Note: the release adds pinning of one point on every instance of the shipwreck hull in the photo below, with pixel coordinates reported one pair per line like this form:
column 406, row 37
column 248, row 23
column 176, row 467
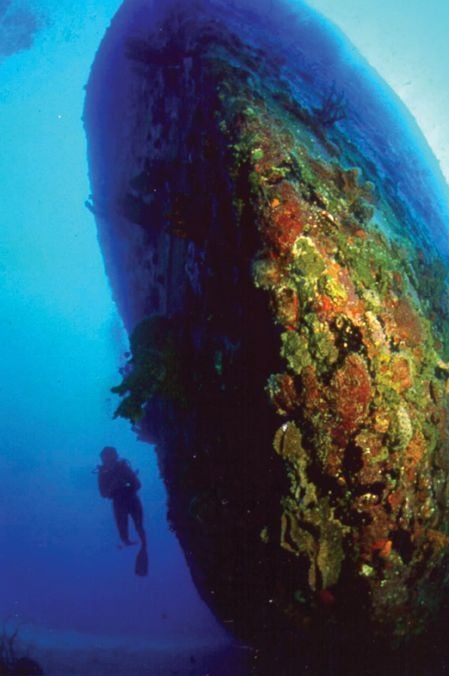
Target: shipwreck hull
column 288, row 313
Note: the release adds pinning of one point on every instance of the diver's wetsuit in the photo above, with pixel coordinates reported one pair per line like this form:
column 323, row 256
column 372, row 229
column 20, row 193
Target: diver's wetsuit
column 126, row 503
column 119, row 483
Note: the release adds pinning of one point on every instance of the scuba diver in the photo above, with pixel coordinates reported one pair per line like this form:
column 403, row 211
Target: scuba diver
column 118, row 482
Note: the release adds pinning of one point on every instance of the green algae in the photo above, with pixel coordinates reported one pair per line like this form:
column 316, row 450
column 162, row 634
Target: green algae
column 308, row 262
column 295, row 350
column 321, row 342
column 308, row 526
column 154, row 369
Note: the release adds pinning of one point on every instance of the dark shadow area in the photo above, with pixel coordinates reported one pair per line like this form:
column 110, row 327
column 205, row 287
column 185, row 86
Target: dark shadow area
column 12, row 660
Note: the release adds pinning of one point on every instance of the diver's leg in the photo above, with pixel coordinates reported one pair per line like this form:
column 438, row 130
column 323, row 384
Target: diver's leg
column 121, row 519
column 136, row 512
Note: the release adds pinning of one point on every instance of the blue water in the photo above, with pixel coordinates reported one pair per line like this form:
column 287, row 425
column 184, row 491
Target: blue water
column 79, row 606
column 63, row 579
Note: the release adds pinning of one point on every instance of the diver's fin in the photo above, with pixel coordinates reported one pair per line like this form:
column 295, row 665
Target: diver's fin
column 141, row 565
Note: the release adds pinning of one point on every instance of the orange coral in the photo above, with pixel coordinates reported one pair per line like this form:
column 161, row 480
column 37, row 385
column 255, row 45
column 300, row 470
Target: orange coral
column 283, row 392
column 383, row 546
column 285, row 223
column 323, row 304
column 402, row 377
column 395, row 500
column 351, row 393
column 414, row 454
column 408, row 326
column 312, row 390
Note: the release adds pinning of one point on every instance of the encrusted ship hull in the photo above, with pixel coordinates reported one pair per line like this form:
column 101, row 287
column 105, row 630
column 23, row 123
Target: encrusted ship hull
column 288, row 315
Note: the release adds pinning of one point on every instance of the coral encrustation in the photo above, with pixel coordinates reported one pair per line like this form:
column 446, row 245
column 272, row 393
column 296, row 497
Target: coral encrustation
column 266, row 251
column 364, row 394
